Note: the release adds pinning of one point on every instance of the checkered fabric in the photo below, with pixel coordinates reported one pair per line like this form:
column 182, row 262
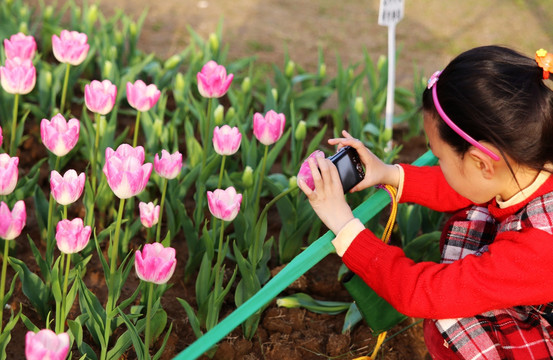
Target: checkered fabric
column 515, row 333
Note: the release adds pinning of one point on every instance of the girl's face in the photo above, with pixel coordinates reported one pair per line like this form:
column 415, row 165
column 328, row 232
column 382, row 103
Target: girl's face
column 462, row 173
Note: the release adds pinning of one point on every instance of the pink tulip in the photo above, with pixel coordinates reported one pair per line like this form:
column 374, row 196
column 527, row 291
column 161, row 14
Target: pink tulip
column 18, row 76
column 149, row 214
column 270, row 128
column 45, row 344
column 142, row 97
column 226, row 140
column 155, row 263
column 67, row 189
column 8, row 173
column 100, row 97
column 213, row 81
column 59, row 136
column 224, row 204
column 12, row 222
column 70, row 47
column 125, row 170
column 305, row 171
column 21, row 46
column 169, row 166
column 72, row 236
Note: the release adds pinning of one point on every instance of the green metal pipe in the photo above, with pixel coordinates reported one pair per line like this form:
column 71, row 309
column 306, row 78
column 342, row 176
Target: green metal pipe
column 297, row 267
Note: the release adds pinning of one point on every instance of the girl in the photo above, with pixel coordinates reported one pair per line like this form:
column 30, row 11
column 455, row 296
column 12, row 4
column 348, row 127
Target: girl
column 488, row 117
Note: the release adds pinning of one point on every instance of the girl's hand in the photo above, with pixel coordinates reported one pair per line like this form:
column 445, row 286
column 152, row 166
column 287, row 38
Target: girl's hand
column 327, row 199
column 376, row 171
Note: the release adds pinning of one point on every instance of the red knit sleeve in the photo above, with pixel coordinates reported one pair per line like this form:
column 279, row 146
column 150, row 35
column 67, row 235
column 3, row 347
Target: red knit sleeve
column 426, row 185
column 516, row 270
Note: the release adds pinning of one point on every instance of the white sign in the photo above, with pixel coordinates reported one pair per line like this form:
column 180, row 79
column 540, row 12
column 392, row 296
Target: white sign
column 390, row 12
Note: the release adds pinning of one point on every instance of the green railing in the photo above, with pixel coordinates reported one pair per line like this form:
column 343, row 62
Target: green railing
column 297, row 267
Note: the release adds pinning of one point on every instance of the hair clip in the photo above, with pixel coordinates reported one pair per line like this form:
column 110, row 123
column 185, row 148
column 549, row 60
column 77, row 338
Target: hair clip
column 545, row 61
column 433, row 79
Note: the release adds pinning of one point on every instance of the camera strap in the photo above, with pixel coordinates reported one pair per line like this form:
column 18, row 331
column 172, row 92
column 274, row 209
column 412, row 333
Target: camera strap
column 377, row 312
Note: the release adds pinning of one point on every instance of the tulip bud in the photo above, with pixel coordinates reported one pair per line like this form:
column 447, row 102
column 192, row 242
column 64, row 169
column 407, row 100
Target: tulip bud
column 108, row 68
column 179, row 82
column 322, row 70
column 23, row 28
column 92, row 14
column 119, row 38
column 288, row 302
column 290, row 67
column 112, row 52
column 231, row 113
column 47, row 76
column 247, row 177
column 293, row 182
column 213, row 42
column 381, row 62
column 133, row 29
column 78, row 12
column 23, row 11
column 275, row 94
column 246, row 84
column 219, row 114
column 158, row 127
column 172, row 62
column 351, row 74
column 301, row 131
column 48, row 12
column 359, row 105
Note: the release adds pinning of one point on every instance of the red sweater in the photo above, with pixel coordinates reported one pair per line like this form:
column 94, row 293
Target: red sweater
column 517, row 269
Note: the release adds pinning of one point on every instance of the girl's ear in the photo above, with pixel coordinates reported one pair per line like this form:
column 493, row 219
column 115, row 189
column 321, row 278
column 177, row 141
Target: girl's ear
column 483, row 162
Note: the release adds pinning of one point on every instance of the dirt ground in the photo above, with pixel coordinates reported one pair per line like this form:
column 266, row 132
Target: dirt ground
column 431, row 33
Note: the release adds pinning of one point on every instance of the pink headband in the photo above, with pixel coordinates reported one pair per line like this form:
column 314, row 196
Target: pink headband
column 432, row 83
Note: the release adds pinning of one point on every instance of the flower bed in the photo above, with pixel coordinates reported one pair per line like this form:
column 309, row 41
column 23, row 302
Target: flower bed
column 160, row 195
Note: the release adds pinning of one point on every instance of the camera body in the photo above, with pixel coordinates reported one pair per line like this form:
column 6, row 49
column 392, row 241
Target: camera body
column 349, row 167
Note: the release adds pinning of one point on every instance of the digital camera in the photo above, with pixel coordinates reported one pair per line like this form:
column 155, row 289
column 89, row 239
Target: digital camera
column 349, row 167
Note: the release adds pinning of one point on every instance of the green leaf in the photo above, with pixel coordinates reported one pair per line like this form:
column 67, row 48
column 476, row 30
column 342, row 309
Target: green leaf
column 317, row 306
column 165, row 339
column 33, row 287
column 134, row 335
column 424, row 248
column 192, row 318
column 76, row 328
column 353, row 317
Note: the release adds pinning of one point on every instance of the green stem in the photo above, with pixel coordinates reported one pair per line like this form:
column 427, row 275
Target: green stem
column 261, row 176
column 256, row 243
column 13, row 147
column 64, row 294
column 64, row 91
column 213, row 313
column 114, row 250
column 94, row 155
column 136, row 127
column 161, row 206
column 221, row 172
column 148, row 310
column 206, row 131
column 50, row 224
column 3, row 280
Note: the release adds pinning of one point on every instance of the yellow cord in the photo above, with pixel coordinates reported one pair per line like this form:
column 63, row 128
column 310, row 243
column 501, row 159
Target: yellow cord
column 385, row 237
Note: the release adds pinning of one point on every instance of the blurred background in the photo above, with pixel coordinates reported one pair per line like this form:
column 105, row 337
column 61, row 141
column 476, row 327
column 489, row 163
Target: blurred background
column 431, row 33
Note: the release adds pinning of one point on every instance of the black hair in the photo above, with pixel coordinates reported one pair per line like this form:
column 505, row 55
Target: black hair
column 496, row 95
